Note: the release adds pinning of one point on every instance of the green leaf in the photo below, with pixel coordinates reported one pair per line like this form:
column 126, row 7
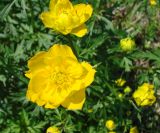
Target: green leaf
column 3, row 79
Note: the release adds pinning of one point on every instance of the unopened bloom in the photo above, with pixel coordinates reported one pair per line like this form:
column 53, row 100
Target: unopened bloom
column 67, row 18
column 120, row 82
column 153, row 2
column 127, row 90
column 53, row 130
column 144, row 95
column 110, row 125
column 133, row 130
column 57, row 78
column 127, row 44
column 120, row 95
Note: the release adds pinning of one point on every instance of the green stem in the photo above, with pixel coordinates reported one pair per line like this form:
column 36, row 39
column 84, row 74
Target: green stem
column 39, row 2
column 32, row 14
column 72, row 46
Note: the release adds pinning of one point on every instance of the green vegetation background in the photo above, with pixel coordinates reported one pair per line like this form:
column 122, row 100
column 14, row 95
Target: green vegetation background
column 22, row 34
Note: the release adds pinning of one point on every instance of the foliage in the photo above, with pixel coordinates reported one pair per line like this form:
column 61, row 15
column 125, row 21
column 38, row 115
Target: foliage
column 23, row 34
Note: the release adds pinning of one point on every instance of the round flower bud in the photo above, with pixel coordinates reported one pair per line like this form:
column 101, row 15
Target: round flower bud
column 110, row 125
column 153, row 2
column 127, row 90
column 133, row 130
column 127, row 44
column 53, row 129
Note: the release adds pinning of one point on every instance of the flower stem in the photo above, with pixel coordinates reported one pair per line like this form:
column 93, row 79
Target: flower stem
column 72, row 46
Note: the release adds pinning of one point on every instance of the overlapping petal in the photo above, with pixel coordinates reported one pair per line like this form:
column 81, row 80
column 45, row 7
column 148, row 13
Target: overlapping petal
column 80, row 31
column 36, row 64
column 75, row 101
column 84, row 12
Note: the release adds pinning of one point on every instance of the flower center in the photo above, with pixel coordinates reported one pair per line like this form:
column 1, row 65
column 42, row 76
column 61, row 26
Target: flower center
column 61, row 79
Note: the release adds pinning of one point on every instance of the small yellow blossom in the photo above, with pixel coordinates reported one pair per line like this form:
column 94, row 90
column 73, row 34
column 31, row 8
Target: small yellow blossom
column 120, row 95
column 127, row 44
column 67, row 18
column 112, row 132
column 127, row 90
column 57, row 78
column 144, row 95
column 153, row 2
column 110, row 125
column 53, row 130
column 133, row 130
column 120, row 82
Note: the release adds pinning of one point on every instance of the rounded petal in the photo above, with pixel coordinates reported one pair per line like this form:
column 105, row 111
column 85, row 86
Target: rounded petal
column 48, row 19
column 89, row 74
column 52, row 4
column 61, row 51
column 80, row 31
column 74, row 69
column 51, row 96
column 50, row 106
column 37, row 84
column 75, row 101
column 36, row 64
column 63, row 5
column 84, row 11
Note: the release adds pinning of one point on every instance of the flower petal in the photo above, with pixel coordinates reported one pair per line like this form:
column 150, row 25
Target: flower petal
column 75, row 101
column 36, row 64
column 80, row 31
column 52, row 4
column 48, row 19
column 63, row 5
column 61, row 51
column 84, row 11
column 38, row 81
column 50, row 106
column 90, row 74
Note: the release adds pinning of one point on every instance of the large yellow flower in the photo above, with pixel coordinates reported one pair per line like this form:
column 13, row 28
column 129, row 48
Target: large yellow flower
column 67, row 18
column 57, row 78
column 144, row 95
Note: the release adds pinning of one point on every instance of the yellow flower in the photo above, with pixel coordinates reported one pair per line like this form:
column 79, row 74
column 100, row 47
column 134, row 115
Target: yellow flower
column 144, row 95
column 67, row 18
column 112, row 132
column 120, row 82
column 153, row 2
column 53, row 130
column 120, row 95
column 110, row 125
column 57, row 78
column 127, row 90
column 133, row 130
column 127, row 44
